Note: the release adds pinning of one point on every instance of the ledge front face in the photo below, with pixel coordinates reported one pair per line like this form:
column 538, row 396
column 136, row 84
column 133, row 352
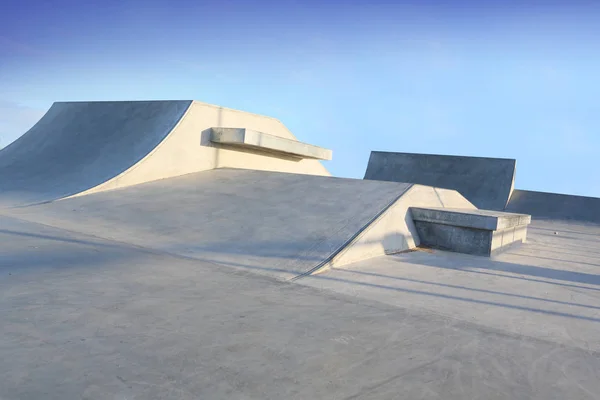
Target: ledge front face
column 246, row 138
column 477, row 232
column 477, row 219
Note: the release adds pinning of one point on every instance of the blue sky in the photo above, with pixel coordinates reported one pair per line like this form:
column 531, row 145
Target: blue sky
column 499, row 79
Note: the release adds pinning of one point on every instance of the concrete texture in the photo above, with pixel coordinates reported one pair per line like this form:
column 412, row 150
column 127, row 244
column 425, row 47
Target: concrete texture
column 85, row 318
column 278, row 224
column 77, row 146
column 477, row 232
column 80, row 148
column 469, row 240
column 247, row 138
column 552, row 206
column 478, row 219
column 173, row 289
column 281, row 225
column 393, row 231
column 485, row 182
column 548, row 288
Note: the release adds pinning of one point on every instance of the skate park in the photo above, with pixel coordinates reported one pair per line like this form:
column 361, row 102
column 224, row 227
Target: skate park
column 177, row 249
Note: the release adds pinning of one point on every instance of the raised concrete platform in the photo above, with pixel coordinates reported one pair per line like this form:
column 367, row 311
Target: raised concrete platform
column 485, row 182
column 477, row 232
column 246, row 138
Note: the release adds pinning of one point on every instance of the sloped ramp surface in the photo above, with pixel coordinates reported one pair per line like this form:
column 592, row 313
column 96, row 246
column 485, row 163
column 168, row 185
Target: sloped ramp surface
column 485, row 182
column 78, row 145
column 553, row 206
column 278, row 224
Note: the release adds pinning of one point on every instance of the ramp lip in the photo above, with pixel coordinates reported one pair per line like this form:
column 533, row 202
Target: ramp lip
column 557, row 194
column 445, row 155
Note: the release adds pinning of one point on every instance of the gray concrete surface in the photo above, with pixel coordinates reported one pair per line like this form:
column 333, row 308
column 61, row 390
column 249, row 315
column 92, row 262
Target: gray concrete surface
column 477, row 232
column 473, row 241
column 552, row 206
column 247, row 138
column 85, row 318
column 84, row 147
column 486, row 182
column 76, row 146
column 278, row 224
column 478, row 219
column 548, row 288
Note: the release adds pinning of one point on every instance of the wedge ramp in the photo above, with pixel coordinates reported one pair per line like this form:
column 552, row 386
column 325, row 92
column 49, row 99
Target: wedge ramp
column 279, row 224
column 486, row 182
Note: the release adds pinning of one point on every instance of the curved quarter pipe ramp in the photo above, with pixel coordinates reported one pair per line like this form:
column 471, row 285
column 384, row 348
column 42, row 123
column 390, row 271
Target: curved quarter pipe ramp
column 82, row 147
column 77, row 146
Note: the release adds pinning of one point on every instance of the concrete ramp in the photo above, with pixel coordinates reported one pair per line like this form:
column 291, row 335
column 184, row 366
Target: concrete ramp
column 553, row 206
column 486, row 182
column 282, row 225
column 84, row 147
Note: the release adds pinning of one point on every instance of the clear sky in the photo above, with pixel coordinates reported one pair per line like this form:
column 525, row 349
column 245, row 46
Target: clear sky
column 513, row 79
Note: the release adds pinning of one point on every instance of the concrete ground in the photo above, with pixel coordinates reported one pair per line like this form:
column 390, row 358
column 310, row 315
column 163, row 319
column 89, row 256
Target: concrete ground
column 84, row 317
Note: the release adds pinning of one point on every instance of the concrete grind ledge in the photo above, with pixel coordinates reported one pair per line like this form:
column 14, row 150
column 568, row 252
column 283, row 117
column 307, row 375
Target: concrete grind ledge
column 477, row 232
column 241, row 137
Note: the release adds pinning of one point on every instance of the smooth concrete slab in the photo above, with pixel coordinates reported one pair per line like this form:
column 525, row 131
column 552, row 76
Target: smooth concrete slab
column 553, row 206
column 485, row 182
column 468, row 218
column 548, row 288
column 246, row 138
column 282, row 225
column 85, row 318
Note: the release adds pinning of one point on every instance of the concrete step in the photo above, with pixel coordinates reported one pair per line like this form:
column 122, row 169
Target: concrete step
column 477, row 232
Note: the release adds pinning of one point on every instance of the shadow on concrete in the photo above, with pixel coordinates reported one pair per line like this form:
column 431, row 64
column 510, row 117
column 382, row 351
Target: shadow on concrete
column 458, row 298
column 460, row 287
column 64, row 239
column 485, row 265
column 554, row 259
column 575, row 238
column 553, row 249
column 561, row 229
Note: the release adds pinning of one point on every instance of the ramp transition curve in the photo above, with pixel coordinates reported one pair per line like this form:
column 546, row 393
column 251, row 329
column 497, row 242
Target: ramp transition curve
column 82, row 147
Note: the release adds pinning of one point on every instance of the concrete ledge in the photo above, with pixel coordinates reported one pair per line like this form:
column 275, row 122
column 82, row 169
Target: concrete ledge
column 477, row 232
column 478, row 219
column 247, row 138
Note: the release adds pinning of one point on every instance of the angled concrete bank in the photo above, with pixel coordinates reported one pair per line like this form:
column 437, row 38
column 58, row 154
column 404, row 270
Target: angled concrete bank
column 477, row 232
column 485, row 182
column 278, row 224
column 85, row 147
